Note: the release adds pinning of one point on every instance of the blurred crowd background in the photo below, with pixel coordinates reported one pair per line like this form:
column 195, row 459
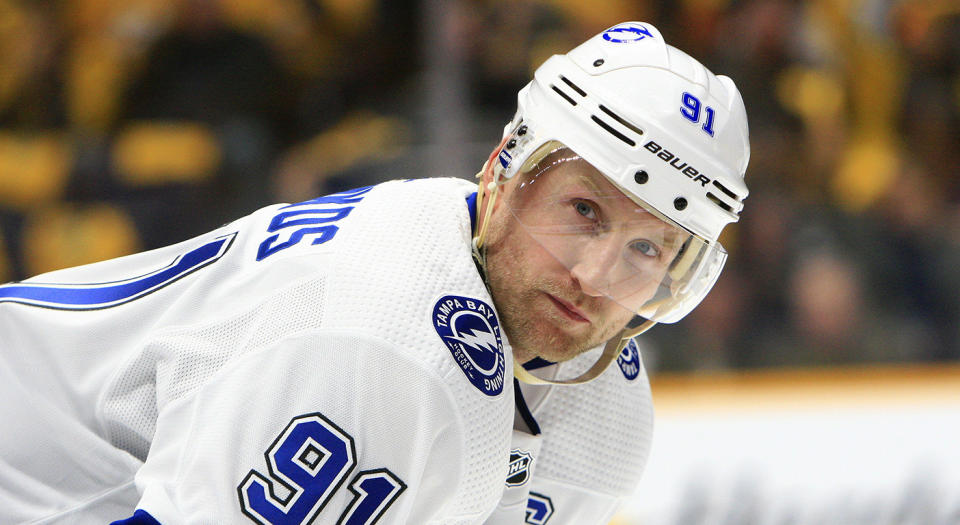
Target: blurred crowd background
column 131, row 124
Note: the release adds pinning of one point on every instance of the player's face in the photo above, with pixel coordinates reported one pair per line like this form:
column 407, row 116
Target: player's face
column 570, row 259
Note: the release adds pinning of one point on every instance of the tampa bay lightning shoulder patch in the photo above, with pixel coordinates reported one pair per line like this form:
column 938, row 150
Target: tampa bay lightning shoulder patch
column 470, row 329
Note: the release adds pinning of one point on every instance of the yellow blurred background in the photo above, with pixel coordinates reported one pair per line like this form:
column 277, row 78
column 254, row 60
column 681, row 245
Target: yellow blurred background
column 129, row 125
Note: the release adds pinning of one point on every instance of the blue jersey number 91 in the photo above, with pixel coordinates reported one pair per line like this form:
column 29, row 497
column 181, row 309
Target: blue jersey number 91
column 306, row 465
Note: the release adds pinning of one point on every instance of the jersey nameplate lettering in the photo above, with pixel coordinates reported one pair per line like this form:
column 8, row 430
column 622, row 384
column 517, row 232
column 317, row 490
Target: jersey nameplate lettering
column 314, row 218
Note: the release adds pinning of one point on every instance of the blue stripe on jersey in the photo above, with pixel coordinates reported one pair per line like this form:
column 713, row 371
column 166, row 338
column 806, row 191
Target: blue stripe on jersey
column 520, row 403
column 140, row 517
column 105, row 295
column 472, row 208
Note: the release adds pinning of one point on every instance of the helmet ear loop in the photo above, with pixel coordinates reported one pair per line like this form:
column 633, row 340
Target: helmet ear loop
column 498, row 176
column 483, row 214
column 517, row 138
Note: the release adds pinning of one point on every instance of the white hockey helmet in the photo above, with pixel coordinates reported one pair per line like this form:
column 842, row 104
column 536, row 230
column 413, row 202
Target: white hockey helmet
column 667, row 132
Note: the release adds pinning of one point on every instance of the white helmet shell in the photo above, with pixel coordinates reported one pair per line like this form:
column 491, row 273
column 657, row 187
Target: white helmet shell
column 663, row 128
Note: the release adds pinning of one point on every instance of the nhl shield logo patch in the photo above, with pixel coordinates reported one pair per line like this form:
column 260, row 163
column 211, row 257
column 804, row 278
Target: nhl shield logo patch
column 629, row 360
column 519, row 471
column 471, row 331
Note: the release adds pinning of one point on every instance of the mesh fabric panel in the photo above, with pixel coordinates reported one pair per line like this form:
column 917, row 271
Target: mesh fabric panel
column 598, row 434
column 181, row 360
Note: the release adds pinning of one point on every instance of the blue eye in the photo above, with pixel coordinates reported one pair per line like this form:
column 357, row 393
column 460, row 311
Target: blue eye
column 645, row 248
column 584, row 208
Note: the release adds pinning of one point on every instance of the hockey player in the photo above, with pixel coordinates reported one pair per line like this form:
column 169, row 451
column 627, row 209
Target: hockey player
column 353, row 359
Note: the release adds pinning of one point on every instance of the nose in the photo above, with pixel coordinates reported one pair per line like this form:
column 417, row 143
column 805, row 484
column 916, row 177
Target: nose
column 585, row 284
column 593, row 268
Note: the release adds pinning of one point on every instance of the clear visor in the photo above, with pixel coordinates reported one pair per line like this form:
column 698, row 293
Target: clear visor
column 612, row 245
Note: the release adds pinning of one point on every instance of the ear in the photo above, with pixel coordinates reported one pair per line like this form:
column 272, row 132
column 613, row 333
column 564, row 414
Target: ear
column 487, row 173
column 486, row 178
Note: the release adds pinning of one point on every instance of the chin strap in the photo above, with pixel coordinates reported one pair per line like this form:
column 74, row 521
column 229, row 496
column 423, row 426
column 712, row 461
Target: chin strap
column 482, row 220
column 611, row 351
column 483, row 215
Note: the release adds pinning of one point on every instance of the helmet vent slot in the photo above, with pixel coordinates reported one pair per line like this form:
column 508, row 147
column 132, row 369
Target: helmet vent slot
column 724, row 189
column 716, row 200
column 621, row 120
column 564, row 95
column 576, row 88
column 610, row 129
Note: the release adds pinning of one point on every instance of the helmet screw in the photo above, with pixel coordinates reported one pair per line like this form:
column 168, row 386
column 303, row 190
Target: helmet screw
column 680, row 203
column 511, row 143
column 598, row 62
column 641, row 177
column 522, row 130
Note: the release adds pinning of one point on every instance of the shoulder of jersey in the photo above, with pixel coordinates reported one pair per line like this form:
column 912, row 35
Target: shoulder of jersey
column 406, row 275
column 404, row 272
column 396, row 264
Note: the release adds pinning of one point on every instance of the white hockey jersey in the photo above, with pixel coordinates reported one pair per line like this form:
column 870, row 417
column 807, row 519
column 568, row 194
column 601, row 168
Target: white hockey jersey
column 332, row 361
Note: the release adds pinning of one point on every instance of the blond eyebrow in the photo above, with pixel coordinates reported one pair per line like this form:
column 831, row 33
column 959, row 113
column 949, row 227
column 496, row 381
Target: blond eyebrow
column 591, row 184
column 672, row 239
